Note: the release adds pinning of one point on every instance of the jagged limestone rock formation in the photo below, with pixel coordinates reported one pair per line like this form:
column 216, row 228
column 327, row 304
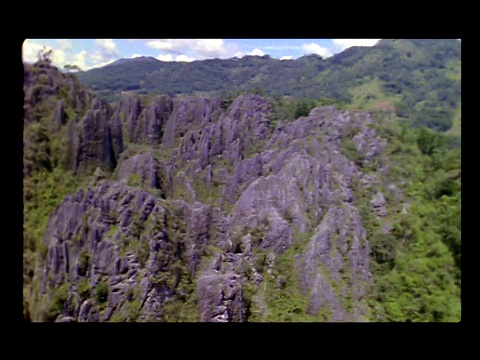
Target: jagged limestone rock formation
column 202, row 202
column 144, row 123
column 91, row 143
column 143, row 165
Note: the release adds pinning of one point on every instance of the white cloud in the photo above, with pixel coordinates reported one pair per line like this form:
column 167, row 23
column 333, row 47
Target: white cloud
column 239, row 54
column 59, row 58
column 107, row 45
column 196, row 49
column 286, row 57
column 79, row 60
column 64, row 44
column 106, row 53
column 167, row 57
column 165, row 45
column 30, row 51
column 282, row 47
column 211, row 48
column 136, row 56
column 103, row 63
column 63, row 53
column 342, row 44
column 97, row 57
column 256, row 52
column 184, row 58
column 313, row 48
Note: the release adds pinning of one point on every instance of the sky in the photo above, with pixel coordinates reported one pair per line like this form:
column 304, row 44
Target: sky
column 90, row 53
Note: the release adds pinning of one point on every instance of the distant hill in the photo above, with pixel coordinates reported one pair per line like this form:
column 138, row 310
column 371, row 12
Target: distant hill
column 418, row 79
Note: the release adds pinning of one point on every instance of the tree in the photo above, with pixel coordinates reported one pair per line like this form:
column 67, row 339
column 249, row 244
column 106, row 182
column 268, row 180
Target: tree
column 303, row 107
column 45, row 55
column 401, row 109
column 71, row 68
column 429, row 140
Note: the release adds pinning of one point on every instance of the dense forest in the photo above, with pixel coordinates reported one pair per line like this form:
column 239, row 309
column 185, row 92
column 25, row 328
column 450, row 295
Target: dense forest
column 419, row 79
column 245, row 204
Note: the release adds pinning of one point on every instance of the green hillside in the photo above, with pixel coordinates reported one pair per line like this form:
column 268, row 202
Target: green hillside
column 245, row 207
column 419, row 79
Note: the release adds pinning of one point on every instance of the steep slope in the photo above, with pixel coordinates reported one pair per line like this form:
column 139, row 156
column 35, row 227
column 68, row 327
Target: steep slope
column 198, row 211
column 67, row 134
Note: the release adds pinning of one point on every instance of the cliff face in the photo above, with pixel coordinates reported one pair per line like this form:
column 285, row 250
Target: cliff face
column 201, row 202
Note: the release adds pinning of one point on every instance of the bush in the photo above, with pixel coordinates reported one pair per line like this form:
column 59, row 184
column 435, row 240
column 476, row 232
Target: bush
column 83, row 262
column 58, row 301
column 428, row 141
column 401, row 109
column 83, row 289
column 303, row 107
column 260, row 262
column 101, row 292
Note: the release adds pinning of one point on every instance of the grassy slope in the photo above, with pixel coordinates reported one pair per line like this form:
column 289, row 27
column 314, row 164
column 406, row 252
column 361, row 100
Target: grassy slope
column 369, row 96
column 454, row 73
column 456, row 129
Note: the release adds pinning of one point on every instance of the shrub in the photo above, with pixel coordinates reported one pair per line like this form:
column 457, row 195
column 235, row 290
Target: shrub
column 401, row 109
column 83, row 262
column 83, row 289
column 58, row 301
column 101, row 292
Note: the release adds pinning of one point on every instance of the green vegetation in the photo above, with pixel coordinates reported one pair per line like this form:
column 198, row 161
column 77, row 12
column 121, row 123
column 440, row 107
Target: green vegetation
column 181, row 307
column 83, row 289
column 47, row 179
column 415, row 263
column 84, row 262
column 130, row 309
column 420, row 79
column 134, row 180
column 457, row 122
column 59, row 298
column 101, row 292
column 416, row 266
column 282, row 299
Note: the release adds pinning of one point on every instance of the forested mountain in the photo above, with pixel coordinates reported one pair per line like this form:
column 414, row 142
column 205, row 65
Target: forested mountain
column 239, row 206
column 419, row 79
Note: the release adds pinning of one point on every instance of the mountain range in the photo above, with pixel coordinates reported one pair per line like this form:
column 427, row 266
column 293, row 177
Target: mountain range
column 418, row 79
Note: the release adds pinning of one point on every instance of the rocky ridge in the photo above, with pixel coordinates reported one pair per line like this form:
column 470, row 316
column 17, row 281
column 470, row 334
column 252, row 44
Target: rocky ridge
column 199, row 192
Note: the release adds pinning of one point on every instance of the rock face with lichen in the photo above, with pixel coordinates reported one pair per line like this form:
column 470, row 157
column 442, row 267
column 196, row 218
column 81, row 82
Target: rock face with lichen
column 199, row 202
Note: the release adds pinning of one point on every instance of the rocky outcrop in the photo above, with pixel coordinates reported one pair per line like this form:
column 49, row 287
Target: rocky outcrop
column 335, row 266
column 244, row 174
column 143, row 165
column 123, row 239
column 56, row 101
column 205, row 200
column 116, row 132
column 59, row 116
column 378, row 203
column 188, row 112
column 210, row 133
column 220, row 296
column 45, row 84
column 144, row 124
column 90, row 141
column 95, row 239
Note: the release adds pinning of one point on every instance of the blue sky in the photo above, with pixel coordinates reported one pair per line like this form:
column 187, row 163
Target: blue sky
column 90, row 53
